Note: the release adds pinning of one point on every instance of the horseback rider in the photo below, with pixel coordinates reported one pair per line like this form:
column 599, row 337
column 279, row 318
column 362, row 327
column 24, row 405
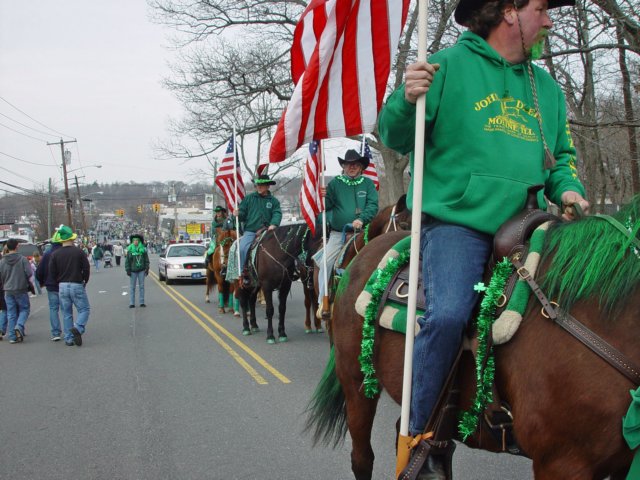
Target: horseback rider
column 220, row 220
column 351, row 201
column 486, row 106
column 258, row 210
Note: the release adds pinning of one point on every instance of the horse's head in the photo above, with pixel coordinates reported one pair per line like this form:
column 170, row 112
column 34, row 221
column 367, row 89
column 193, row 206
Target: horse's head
column 391, row 218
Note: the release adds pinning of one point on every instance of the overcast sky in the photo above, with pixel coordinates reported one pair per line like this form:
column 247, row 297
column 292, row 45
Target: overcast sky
column 89, row 70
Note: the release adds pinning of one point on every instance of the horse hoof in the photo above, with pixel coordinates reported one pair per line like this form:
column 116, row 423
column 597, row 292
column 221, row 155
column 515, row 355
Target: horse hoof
column 255, row 329
column 308, row 330
column 271, row 341
column 283, row 339
column 246, row 332
column 320, row 330
column 221, row 310
column 236, row 314
column 207, row 300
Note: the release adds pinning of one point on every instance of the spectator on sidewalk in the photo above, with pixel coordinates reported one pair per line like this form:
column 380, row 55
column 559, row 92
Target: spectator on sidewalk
column 69, row 267
column 136, row 263
column 15, row 274
column 44, row 277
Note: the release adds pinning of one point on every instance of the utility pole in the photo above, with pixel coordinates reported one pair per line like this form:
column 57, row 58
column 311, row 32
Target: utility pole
column 84, row 221
column 49, row 211
column 66, row 182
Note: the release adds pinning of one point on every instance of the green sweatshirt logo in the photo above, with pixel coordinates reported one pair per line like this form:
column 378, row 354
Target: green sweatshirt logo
column 513, row 119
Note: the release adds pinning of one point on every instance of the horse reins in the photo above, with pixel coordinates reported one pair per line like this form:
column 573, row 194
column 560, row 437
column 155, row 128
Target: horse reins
column 581, row 332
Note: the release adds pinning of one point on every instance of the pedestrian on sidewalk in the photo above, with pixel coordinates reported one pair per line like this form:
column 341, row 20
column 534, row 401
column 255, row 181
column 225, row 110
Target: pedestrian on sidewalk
column 118, row 251
column 44, row 277
column 136, row 263
column 70, row 268
column 15, row 274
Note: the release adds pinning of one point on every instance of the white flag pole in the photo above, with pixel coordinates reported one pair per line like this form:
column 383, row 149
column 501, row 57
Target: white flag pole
column 325, row 298
column 235, row 199
column 414, row 264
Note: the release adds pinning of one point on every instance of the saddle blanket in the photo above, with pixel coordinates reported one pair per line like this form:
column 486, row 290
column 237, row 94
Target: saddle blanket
column 394, row 314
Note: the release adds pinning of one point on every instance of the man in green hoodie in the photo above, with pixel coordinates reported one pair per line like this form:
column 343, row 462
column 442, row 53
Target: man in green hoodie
column 495, row 125
column 257, row 210
column 350, row 201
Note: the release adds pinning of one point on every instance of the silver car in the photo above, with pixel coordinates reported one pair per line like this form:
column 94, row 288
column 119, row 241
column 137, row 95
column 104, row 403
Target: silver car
column 182, row 261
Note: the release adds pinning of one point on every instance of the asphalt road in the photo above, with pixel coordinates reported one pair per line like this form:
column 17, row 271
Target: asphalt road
column 174, row 391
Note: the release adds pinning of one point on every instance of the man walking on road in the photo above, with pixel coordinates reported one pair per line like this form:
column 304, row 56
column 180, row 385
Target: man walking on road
column 118, row 251
column 15, row 273
column 70, row 268
column 44, row 277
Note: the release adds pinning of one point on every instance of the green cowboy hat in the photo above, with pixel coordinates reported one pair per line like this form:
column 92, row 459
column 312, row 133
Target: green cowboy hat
column 353, row 156
column 466, row 8
column 63, row 234
column 220, row 208
column 263, row 180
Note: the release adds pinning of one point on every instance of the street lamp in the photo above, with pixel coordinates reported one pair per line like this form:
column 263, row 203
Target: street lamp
column 82, row 168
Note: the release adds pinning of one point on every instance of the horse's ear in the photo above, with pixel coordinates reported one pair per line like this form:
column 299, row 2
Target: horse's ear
column 401, row 204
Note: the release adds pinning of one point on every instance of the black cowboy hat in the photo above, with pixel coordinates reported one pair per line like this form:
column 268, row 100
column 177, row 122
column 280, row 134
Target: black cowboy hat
column 353, row 156
column 263, row 180
column 220, row 208
column 466, row 8
column 138, row 236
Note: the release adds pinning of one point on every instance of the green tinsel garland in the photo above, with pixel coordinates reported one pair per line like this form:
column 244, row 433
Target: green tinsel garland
column 484, row 378
column 366, row 233
column 351, row 181
column 383, row 277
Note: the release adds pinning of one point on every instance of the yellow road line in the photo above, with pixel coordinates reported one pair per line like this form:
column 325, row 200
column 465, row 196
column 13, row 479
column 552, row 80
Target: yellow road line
column 243, row 363
column 266, row 365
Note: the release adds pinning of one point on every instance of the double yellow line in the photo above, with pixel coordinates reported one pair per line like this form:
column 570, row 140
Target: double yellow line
column 189, row 309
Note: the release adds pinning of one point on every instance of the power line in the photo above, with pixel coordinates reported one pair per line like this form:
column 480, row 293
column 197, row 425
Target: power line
column 39, row 123
column 27, row 126
column 18, row 175
column 22, row 133
column 27, row 161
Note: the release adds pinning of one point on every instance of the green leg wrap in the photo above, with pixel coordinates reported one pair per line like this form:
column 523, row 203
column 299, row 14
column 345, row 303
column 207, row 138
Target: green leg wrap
column 220, row 300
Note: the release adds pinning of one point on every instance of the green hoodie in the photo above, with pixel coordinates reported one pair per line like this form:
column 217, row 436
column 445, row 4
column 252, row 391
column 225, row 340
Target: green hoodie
column 483, row 146
column 348, row 200
column 257, row 211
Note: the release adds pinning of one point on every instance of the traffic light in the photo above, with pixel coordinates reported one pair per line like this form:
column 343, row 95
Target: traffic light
column 156, row 207
column 120, row 212
column 139, row 208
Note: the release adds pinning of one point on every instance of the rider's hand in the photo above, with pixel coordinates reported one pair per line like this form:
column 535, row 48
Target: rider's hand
column 417, row 79
column 568, row 199
column 272, row 227
column 323, row 191
column 357, row 224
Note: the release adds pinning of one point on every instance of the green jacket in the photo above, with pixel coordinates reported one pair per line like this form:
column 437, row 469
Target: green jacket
column 483, row 145
column 136, row 260
column 631, row 432
column 257, row 211
column 348, row 200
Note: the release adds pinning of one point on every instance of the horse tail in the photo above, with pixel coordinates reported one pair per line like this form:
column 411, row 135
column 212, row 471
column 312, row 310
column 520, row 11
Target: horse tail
column 327, row 414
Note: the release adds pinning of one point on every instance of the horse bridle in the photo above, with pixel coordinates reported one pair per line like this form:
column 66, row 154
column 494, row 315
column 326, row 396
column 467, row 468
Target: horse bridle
column 553, row 311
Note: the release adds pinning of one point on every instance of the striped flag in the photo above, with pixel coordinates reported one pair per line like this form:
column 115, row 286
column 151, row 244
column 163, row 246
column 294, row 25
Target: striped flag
column 370, row 172
column 225, row 180
column 310, row 199
column 340, row 62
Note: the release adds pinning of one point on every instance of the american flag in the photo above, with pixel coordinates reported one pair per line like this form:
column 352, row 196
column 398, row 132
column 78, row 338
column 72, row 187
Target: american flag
column 310, row 199
column 340, row 62
column 225, row 180
column 370, row 172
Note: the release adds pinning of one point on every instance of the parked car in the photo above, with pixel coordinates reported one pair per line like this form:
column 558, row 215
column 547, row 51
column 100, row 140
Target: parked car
column 26, row 249
column 182, row 261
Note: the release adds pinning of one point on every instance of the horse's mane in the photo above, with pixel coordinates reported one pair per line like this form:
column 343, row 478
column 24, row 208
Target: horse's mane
column 592, row 258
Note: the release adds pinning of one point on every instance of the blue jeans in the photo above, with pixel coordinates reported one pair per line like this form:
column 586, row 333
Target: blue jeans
column 18, row 308
column 3, row 321
column 332, row 249
column 73, row 294
column 54, row 315
column 96, row 263
column 136, row 277
column 244, row 243
column 453, row 260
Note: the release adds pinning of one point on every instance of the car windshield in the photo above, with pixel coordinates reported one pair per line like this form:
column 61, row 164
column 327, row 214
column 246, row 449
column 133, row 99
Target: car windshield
column 186, row 251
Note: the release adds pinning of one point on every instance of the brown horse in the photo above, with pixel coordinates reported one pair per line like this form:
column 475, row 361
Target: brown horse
column 276, row 267
column 566, row 401
column 215, row 268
